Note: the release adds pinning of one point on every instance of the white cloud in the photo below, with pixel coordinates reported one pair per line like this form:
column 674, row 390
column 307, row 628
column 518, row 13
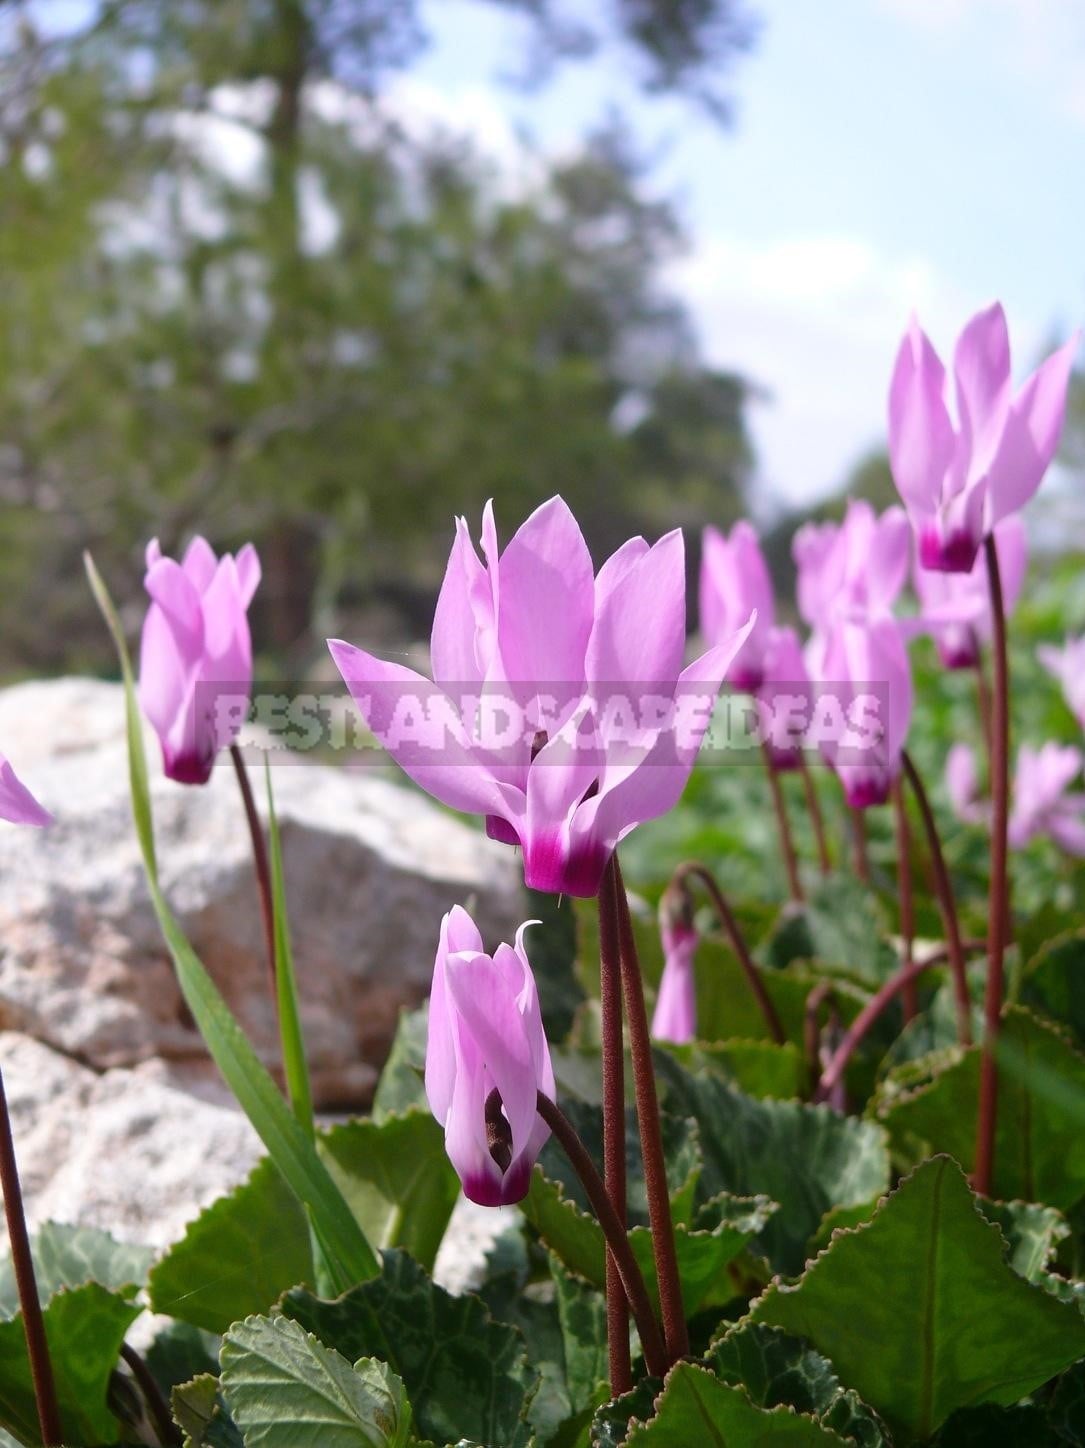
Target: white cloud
column 815, row 320
column 1041, row 42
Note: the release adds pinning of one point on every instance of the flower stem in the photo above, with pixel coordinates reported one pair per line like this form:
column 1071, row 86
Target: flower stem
column 859, row 856
column 856, row 1032
column 824, row 993
column 619, row 1250
column 904, row 886
column 817, row 819
column 943, row 888
column 613, row 1051
column 998, row 908
column 866, row 1018
column 783, row 825
column 263, row 870
column 37, row 1346
column 167, row 1430
column 675, row 1333
column 694, row 869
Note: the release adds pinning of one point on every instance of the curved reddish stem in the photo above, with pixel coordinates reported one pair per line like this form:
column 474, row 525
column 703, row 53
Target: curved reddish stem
column 783, row 825
column 261, row 866
column 22, row 1261
column 619, row 1250
column 613, row 1053
column 859, row 856
column 857, row 1031
column 817, row 819
column 691, row 868
column 944, row 890
column 675, row 1331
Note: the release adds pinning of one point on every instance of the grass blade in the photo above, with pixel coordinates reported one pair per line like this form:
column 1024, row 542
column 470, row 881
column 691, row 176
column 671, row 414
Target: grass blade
column 287, row 1143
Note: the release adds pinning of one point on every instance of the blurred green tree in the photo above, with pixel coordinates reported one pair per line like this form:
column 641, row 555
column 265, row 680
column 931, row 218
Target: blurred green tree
column 245, row 295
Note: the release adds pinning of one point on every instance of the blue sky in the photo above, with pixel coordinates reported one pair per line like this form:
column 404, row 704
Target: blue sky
column 888, row 154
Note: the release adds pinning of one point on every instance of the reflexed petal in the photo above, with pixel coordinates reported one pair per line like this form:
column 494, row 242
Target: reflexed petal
column 420, row 727
column 172, row 590
column 454, row 652
column 225, row 623
column 640, row 624
column 224, row 688
column 656, row 784
column 199, row 563
column 921, row 436
column 617, row 566
column 734, row 583
column 812, row 549
column 1031, row 434
column 547, row 599
column 249, row 574
column 887, row 563
column 981, row 368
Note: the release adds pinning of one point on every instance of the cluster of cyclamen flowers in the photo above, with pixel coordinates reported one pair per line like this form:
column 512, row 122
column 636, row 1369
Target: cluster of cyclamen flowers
column 520, row 619
column 961, row 486
column 538, row 626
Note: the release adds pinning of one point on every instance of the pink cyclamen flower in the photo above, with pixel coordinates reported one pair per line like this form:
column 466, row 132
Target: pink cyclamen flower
column 854, row 569
column 17, row 804
column 675, row 1015
column 785, row 699
column 195, row 667
column 559, row 707
column 486, row 1061
column 959, row 482
column 1042, row 800
column 867, row 670
column 956, row 607
column 1068, row 666
column 735, row 583
column 1043, row 803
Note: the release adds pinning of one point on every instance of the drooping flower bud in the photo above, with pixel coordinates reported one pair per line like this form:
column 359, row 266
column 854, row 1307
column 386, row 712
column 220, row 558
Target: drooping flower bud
column 675, row 1016
column 195, row 668
column 487, row 1059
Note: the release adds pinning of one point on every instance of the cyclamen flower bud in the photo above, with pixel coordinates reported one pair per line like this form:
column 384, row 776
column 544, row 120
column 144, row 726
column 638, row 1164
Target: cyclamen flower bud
column 486, row 1061
column 195, row 668
column 675, row 1017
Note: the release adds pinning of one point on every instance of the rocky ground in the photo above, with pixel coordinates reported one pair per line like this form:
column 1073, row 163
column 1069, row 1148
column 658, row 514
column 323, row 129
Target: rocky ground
column 120, row 1118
